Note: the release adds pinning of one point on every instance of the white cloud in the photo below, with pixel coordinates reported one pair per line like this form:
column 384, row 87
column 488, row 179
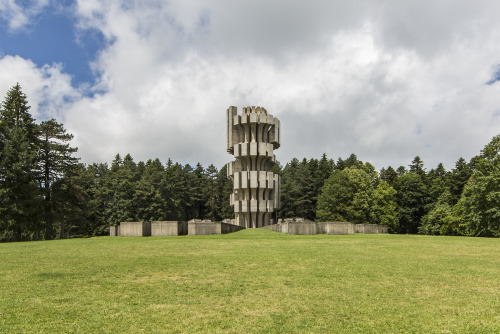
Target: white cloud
column 48, row 89
column 19, row 16
column 387, row 80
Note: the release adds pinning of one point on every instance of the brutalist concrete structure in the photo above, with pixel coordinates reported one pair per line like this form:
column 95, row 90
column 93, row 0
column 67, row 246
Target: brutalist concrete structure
column 168, row 228
column 114, row 230
column 135, row 229
column 198, row 227
column 370, row 228
column 304, row 226
column 164, row 228
column 252, row 138
column 337, row 228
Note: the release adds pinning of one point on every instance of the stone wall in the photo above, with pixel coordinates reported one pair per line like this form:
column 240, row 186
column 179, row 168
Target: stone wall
column 135, row 229
column 306, row 227
column 164, row 228
column 114, row 230
column 230, row 228
column 203, row 228
column 368, row 228
column 337, row 228
column 207, row 228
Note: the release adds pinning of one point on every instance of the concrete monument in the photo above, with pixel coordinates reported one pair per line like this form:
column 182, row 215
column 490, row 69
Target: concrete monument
column 252, row 138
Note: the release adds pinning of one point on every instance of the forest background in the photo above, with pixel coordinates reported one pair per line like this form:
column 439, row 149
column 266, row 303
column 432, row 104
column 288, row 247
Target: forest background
column 45, row 193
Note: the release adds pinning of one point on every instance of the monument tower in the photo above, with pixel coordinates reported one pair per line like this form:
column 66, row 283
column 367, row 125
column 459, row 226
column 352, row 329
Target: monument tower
column 252, row 138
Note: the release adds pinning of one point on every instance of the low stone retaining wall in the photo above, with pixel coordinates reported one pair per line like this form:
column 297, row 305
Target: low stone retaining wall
column 114, row 230
column 336, row 228
column 135, row 229
column 370, row 228
column 164, row 228
column 304, row 227
column 207, row 228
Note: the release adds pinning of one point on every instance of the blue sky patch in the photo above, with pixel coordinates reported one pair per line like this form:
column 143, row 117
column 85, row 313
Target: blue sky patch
column 52, row 38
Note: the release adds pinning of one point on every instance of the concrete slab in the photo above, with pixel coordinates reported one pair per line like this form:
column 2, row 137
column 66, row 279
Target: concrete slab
column 208, row 228
column 135, row 229
column 114, row 231
column 165, row 228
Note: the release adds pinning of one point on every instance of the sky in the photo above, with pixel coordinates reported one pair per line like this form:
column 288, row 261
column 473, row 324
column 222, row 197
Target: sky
column 385, row 79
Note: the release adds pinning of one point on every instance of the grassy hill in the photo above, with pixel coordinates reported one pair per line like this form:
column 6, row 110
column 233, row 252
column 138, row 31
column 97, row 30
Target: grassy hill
column 252, row 281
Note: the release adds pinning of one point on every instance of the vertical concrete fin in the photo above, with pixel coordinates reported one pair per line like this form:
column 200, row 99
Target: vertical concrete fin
column 230, row 113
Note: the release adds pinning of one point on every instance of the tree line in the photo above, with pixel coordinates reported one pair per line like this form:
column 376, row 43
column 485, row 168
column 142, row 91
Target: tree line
column 46, row 193
column 463, row 201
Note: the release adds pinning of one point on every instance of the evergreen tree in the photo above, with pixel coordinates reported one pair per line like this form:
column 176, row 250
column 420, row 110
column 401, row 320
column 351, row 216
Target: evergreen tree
column 151, row 192
column 176, row 196
column 389, row 175
column 123, row 178
column 411, row 200
column 325, row 168
column 417, row 167
column 20, row 200
column 289, row 190
column 198, row 197
column 352, row 161
column 70, row 203
column 54, row 160
column 401, row 170
column 211, row 194
column 458, row 179
column 100, row 194
column 305, row 198
column 224, row 189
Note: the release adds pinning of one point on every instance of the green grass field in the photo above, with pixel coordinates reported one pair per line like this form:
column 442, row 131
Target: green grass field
column 252, row 281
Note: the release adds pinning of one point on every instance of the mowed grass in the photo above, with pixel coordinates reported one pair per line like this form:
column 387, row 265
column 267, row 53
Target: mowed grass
column 252, row 281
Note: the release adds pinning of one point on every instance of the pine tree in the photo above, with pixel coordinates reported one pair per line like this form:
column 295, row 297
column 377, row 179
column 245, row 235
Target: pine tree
column 70, row 202
column 150, row 192
column 123, row 179
column 211, row 194
column 417, row 167
column 289, row 190
column 458, row 179
column 54, row 160
column 19, row 195
column 411, row 200
column 305, row 198
column 100, row 196
column 389, row 175
column 225, row 188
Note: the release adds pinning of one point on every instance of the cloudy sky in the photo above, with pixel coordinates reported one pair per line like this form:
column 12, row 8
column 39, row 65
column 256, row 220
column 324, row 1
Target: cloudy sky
column 386, row 80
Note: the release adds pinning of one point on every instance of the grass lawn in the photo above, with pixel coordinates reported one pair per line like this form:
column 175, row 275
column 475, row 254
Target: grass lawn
column 252, row 281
